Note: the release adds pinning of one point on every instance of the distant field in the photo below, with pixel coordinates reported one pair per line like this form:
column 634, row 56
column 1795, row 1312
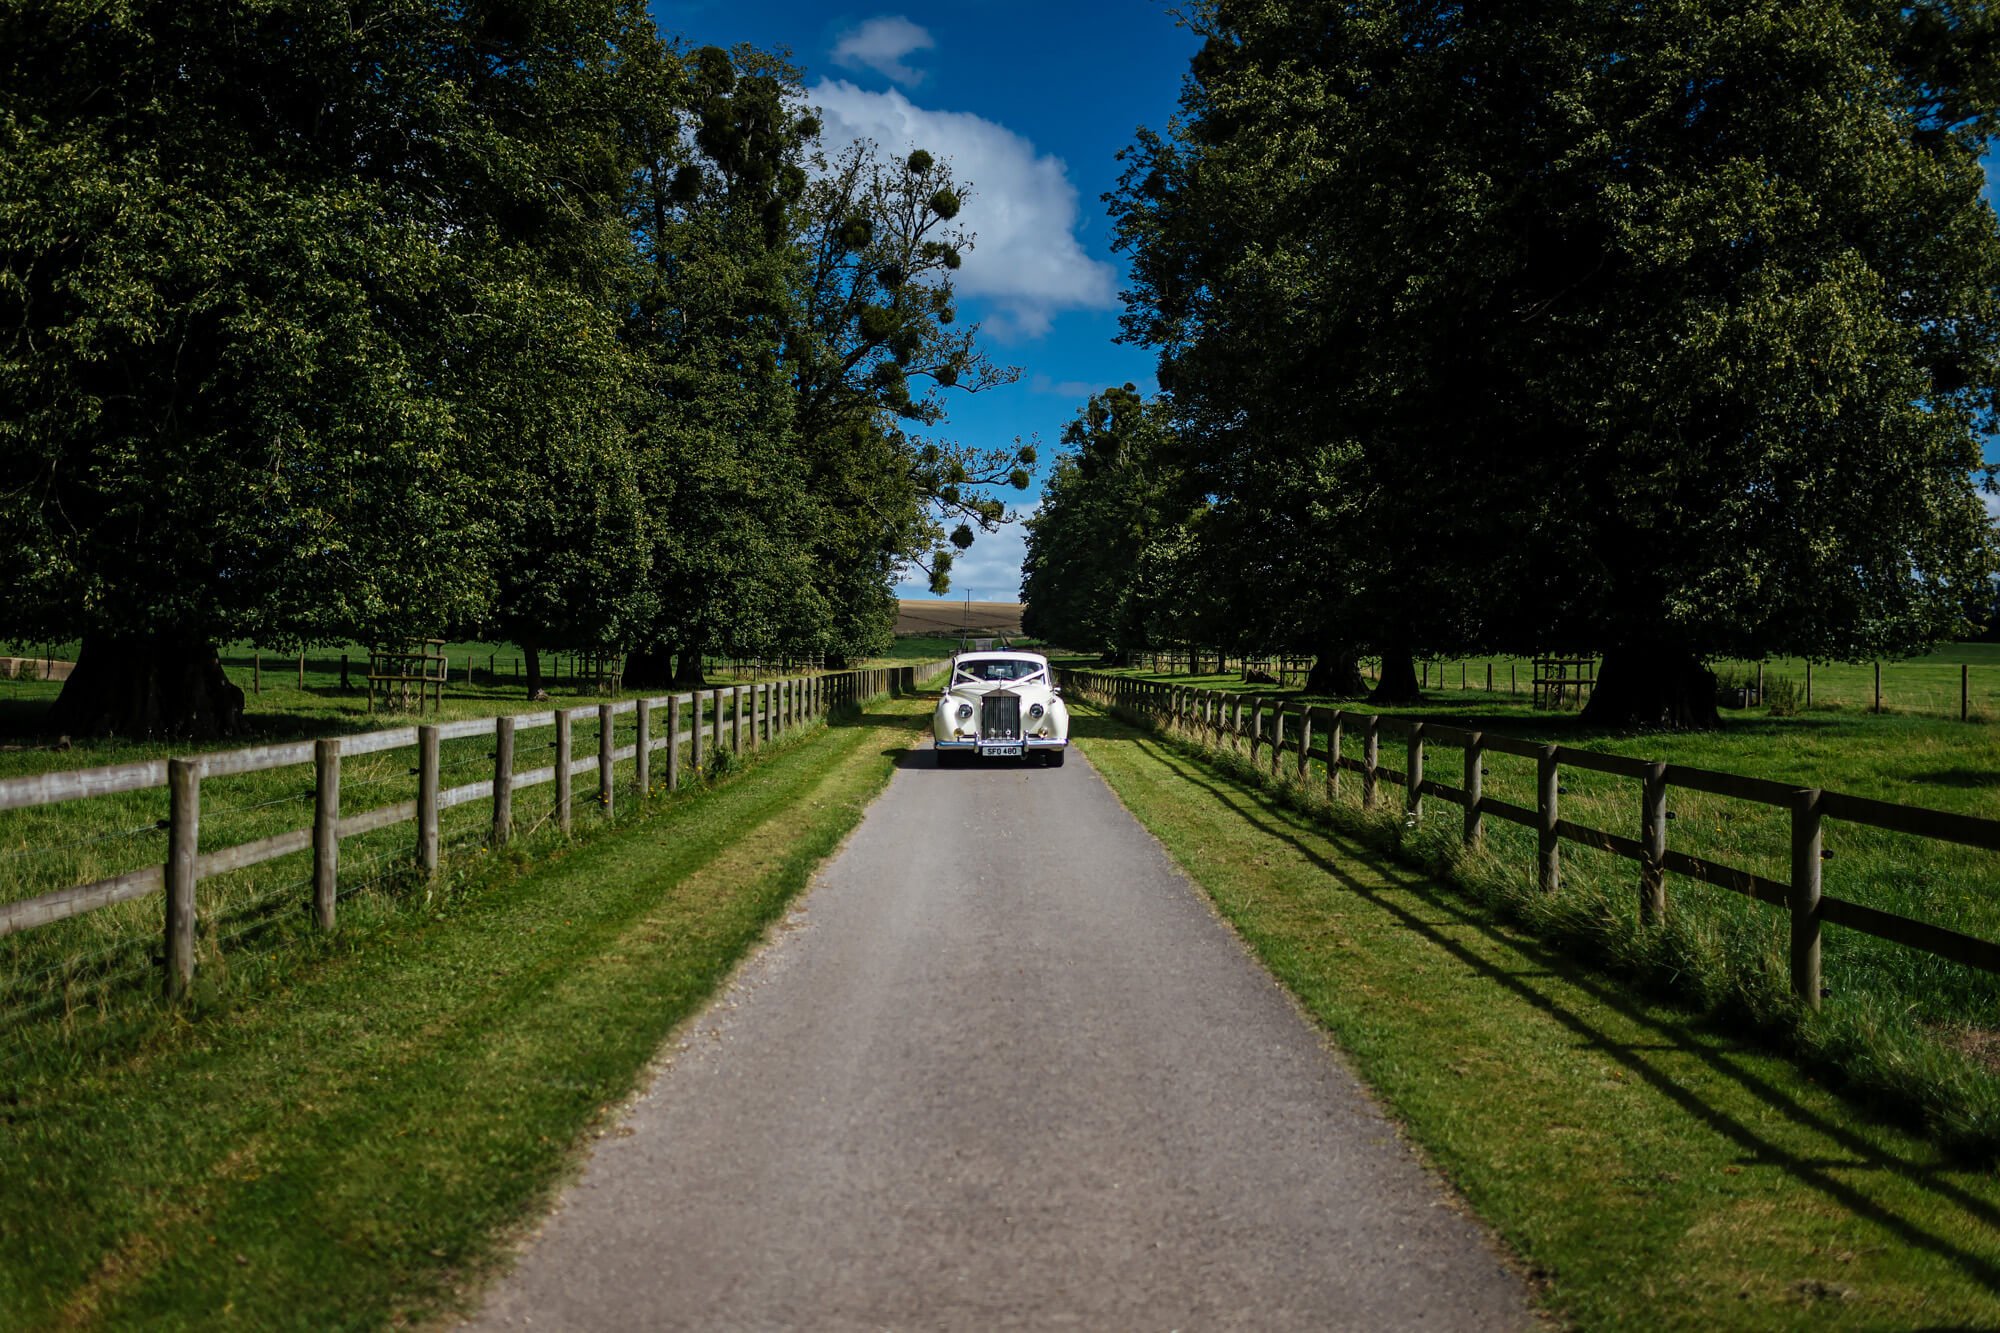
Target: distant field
column 943, row 617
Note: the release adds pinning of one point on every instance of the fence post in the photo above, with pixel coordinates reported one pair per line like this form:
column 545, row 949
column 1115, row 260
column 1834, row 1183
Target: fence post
column 1371, row 760
column 1964, row 692
column 1256, row 727
column 1475, row 788
column 1760, row 684
column 736, row 721
column 642, row 751
column 326, row 831
column 1333, row 753
column 716, row 724
column 1808, row 682
column 1805, row 895
column 183, row 868
column 562, row 770
column 1413, row 800
column 1489, row 678
column 427, row 799
column 1653, row 838
column 503, row 781
column 1548, row 859
column 607, row 732
column 674, row 743
column 1305, row 744
column 1277, row 736
column 1878, row 687
column 695, row 734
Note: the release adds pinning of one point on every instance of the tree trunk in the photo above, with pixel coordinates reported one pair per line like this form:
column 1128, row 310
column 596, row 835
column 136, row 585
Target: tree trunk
column 165, row 686
column 1653, row 685
column 690, row 675
column 1336, row 675
column 531, row 659
column 652, row 669
column 1398, row 683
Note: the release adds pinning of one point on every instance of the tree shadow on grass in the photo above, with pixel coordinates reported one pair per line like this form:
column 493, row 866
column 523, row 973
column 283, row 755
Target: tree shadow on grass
column 1544, row 962
column 1971, row 778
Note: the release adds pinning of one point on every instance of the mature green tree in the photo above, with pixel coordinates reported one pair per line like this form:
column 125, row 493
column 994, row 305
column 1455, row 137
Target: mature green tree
column 875, row 350
column 229, row 300
column 1666, row 332
column 546, row 386
column 717, row 271
column 1109, row 563
column 1324, row 413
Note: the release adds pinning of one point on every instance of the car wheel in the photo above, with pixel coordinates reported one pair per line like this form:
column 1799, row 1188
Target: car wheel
column 951, row 758
column 1054, row 758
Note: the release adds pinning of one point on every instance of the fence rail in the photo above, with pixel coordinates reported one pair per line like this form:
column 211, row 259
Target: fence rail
column 1215, row 714
column 738, row 717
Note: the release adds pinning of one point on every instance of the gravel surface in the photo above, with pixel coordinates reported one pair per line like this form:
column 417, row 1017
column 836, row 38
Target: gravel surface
column 1003, row 1067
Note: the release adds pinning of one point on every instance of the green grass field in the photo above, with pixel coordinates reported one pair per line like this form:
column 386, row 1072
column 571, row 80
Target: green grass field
column 1926, row 686
column 1918, row 1029
column 279, row 704
column 1651, row 1169
column 342, row 1131
column 68, row 966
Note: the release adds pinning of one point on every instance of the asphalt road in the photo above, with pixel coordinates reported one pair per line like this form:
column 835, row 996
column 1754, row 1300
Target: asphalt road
column 1003, row 1067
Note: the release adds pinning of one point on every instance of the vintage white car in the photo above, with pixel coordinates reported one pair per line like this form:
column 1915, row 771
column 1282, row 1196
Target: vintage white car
column 1000, row 704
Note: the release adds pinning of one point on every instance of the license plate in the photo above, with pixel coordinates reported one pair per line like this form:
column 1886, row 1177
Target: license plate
column 1001, row 751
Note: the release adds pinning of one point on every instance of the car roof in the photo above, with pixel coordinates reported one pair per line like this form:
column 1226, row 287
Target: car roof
column 996, row 654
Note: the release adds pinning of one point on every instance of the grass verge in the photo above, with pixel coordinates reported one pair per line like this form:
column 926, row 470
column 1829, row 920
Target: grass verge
column 1656, row 1170
column 348, row 1147
column 1909, row 1030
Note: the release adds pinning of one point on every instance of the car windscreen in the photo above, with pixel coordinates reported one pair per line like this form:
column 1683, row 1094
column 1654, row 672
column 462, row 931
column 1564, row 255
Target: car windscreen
column 998, row 671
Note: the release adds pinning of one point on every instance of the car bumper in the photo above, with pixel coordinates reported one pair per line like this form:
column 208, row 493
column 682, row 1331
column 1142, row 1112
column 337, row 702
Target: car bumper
column 1031, row 742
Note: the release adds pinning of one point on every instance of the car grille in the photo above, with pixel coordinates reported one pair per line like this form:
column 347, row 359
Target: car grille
column 1000, row 717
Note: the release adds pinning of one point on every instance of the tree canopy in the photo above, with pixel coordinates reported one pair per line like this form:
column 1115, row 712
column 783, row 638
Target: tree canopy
column 409, row 319
column 1665, row 332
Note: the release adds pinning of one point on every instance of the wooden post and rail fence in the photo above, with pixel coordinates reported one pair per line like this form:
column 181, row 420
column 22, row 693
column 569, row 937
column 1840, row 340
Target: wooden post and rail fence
column 1215, row 715
column 757, row 712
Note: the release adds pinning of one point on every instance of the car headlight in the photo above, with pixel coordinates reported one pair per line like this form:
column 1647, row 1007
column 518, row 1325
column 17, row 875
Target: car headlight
column 964, row 712
column 1035, row 711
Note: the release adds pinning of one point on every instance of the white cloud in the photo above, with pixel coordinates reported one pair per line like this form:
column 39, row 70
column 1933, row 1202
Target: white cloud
column 880, row 44
column 1061, row 388
column 1022, row 210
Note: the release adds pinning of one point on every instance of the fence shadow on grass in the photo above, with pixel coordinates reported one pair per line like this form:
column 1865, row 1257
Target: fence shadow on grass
column 1547, row 963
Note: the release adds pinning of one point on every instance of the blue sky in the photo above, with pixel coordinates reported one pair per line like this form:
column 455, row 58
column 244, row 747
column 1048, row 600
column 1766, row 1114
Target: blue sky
column 1030, row 101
